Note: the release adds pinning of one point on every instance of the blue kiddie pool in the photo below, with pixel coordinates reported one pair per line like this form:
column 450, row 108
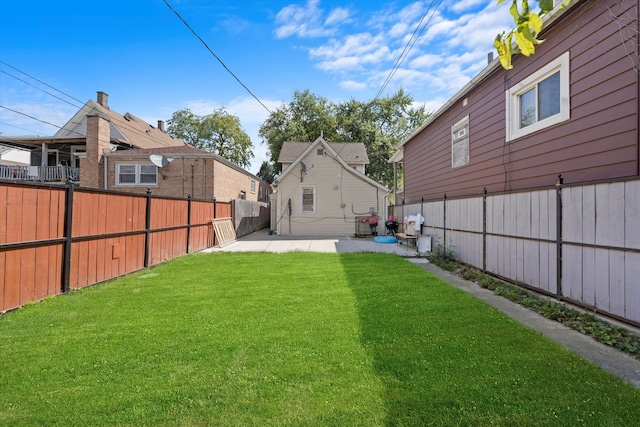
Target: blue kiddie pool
column 385, row 239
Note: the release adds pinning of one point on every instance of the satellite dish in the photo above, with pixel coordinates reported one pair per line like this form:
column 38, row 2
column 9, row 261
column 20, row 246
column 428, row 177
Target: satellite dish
column 303, row 167
column 159, row 161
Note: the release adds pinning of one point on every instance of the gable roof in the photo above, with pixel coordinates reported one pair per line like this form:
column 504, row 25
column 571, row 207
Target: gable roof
column 125, row 129
column 350, row 152
column 329, row 149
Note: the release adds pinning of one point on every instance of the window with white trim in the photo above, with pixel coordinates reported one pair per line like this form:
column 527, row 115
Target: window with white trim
column 253, row 186
column 460, row 143
column 539, row 101
column 136, row 174
column 308, row 199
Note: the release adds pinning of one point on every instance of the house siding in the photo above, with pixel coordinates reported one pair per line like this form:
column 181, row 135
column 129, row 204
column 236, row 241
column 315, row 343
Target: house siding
column 334, row 186
column 599, row 141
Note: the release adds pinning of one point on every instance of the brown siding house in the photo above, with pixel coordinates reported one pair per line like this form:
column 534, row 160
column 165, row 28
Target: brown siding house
column 587, row 67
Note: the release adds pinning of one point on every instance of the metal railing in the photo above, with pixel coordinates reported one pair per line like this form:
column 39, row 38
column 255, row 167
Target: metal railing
column 40, row 173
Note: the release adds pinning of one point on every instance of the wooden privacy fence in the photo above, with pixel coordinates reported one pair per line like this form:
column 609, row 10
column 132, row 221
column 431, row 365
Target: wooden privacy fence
column 579, row 243
column 57, row 238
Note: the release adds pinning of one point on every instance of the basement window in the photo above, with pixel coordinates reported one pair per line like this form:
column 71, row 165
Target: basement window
column 539, row 101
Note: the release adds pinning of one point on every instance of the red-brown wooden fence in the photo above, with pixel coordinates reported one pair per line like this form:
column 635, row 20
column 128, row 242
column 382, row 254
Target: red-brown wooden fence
column 53, row 238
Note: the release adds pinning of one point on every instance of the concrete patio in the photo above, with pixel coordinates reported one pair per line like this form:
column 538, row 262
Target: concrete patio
column 261, row 241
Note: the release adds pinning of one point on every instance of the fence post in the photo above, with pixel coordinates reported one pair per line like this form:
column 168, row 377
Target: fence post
column 444, row 222
column 68, row 229
column 422, row 215
column 147, row 225
column 188, row 221
column 215, row 215
column 559, row 183
column 484, row 230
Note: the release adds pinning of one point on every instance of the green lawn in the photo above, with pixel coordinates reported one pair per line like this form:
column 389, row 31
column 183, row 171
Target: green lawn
column 291, row 339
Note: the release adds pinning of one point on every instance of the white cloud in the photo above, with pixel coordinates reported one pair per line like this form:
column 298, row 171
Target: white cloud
column 462, row 5
column 351, row 52
column 338, row 16
column 353, row 86
column 306, row 21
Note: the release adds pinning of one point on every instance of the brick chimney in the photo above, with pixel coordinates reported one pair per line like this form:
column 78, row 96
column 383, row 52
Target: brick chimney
column 98, row 139
column 103, row 99
column 161, row 125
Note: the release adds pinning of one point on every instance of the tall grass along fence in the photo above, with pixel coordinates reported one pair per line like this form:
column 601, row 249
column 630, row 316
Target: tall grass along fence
column 579, row 243
column 57, row 238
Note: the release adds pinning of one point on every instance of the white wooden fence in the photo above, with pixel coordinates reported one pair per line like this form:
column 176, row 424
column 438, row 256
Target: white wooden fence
column 584, row 249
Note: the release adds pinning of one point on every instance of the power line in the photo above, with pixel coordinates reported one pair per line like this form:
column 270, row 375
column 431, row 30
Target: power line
column 40, row 81
column 42, row 90
column 407, row 48
column 215, row 56
column 31, row 117
column 17, row 127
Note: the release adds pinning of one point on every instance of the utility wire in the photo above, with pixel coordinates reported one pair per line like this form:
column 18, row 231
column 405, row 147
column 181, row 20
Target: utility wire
column 121, row 122
column 42, row 90
column 40, row 81
column 215, row 56
column 410, row 43
column 31, row 117
column 17, row 127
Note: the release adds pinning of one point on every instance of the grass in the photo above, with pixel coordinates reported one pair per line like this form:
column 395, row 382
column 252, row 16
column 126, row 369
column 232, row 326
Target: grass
column 291, row 339
column 582, row 321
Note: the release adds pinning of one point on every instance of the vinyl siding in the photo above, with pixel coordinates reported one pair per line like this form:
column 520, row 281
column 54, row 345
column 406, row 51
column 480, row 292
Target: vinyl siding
column 334, row 185
column 599, row 141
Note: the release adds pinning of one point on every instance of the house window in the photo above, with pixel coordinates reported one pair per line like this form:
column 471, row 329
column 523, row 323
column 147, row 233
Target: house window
column 460, row 143
column 136, row 174
column 308, row 195
column 539, row 101
column 253, row 186
column 320, row 151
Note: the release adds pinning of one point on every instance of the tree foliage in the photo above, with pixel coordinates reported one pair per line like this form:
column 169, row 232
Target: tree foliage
column 381, row 124
column 218, row 132
column 523, row 38
column 267, row 172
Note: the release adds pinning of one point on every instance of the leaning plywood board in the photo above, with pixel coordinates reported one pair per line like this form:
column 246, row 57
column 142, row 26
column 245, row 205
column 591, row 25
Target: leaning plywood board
column 224, row 231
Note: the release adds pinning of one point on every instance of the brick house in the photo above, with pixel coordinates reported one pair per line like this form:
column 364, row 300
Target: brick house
column 101, row 148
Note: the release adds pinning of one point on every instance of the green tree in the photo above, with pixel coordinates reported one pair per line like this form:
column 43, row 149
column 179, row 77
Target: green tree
column 303, row 119
column 218, row 132
column 523, row 38
column 380, row 124
column 267, row 172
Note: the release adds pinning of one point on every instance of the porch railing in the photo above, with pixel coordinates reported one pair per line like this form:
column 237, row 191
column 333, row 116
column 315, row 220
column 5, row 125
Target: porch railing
column 40, row 173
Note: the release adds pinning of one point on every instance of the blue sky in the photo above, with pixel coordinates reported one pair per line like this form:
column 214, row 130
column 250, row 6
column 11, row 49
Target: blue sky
column 151, row 65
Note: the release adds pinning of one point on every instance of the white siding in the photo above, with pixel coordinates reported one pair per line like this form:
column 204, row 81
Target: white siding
column 340, row 197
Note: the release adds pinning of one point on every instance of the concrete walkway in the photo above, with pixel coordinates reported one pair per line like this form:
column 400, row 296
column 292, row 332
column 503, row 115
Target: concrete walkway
column 618, row 363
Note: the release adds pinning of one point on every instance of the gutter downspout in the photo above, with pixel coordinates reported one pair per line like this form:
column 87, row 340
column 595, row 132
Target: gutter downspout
column 106, row 173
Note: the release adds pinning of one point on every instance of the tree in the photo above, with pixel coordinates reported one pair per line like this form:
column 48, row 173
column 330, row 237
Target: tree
column 380, row 124
column 218, row 132
column 305, row 118
column 267, row 172
column 522, row 39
